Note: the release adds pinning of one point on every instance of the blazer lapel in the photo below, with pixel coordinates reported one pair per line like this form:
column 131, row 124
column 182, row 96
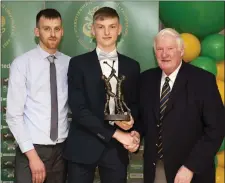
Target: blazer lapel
column 96, row 73
column 122, row 70
column 156, row 87
column 95, row 65
column 121, row 65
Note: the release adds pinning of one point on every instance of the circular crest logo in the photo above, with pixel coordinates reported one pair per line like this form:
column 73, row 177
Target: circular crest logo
column 7, row 26
column 83, row 23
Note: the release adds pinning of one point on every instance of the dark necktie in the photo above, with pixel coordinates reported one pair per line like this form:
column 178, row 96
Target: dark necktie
column 54, row 99
column 163, row 104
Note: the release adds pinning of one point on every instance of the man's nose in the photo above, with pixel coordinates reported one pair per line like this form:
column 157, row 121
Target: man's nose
column 106, row 31
column 52, row 33
column 164, row 53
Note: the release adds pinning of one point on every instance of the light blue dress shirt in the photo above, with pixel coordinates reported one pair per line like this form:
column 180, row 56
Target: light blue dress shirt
column 29, row 102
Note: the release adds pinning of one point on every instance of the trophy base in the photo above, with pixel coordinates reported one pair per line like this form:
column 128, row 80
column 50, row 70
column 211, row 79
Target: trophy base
column 117, row 117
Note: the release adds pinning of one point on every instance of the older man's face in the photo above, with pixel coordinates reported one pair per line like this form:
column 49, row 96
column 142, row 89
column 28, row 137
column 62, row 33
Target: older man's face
column 168, row 54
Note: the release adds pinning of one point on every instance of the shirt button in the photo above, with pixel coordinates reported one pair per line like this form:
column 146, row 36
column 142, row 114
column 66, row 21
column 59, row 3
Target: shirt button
column 154, row 164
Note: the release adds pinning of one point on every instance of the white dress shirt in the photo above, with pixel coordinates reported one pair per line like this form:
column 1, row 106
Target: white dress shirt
column 172, row 77
column 106, row 70
column 29, row 99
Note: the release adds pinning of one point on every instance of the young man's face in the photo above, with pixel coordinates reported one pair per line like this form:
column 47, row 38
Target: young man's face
column 50, row 33
column 106, row 32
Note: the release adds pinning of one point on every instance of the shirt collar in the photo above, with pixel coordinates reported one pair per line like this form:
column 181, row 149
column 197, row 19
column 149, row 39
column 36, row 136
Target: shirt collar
column 173, row 75
column 45, row 54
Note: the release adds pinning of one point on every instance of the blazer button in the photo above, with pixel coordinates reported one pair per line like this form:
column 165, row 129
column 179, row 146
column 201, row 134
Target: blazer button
column 154, row 164
column 102, row 137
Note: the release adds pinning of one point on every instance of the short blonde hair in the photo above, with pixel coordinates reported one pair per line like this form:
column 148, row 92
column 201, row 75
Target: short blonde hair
column 172, row 32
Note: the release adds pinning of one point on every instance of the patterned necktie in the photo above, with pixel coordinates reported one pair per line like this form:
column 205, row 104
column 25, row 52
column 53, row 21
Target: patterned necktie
column 54, row 99
column 163, row 103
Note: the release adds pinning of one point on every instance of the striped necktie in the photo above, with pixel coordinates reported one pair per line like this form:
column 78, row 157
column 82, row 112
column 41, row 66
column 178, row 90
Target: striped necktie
column 163, row 103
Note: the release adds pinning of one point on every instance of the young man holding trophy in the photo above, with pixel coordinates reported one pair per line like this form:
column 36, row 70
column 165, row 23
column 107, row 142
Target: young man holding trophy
column 103, row 94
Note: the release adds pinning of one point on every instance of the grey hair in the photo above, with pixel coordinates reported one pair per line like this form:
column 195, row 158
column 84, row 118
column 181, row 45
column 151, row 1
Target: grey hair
column 172, row 32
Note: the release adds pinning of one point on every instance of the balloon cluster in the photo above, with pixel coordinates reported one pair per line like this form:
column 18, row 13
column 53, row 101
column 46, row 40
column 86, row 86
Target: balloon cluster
column 199, row 24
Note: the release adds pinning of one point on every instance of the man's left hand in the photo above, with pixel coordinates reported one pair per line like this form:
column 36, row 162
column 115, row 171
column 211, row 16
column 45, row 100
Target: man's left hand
column 184, row 175
column 125, row 125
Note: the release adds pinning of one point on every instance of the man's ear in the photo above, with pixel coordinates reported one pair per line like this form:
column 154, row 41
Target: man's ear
column 62, row 31
column 120, row 29
column 92, row 30
column 182, row 51
column 36, row 32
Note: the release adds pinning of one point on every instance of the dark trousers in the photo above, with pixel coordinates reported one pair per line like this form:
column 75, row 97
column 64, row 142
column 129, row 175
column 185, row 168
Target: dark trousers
column 51, row 155
column 111, row 169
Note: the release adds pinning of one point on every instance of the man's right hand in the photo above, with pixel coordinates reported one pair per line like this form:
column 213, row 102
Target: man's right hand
column 133, row 147
column 125, row 138
column 37, row 167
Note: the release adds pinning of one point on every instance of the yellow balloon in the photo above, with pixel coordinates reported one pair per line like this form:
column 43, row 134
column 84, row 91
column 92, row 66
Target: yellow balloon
column 192, row 47
column 220, row 70
column 220, row 157
column 219, row 175
column 220, row 85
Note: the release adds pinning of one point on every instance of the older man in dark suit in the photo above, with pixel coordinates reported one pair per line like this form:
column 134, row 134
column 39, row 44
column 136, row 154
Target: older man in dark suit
column 182, row 117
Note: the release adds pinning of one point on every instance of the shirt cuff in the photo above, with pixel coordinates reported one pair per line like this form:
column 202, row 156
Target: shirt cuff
column 26, row 146
column 111, row 123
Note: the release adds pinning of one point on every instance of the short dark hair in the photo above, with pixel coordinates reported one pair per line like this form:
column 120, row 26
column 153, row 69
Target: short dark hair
column 105, row 12
column 48, row 13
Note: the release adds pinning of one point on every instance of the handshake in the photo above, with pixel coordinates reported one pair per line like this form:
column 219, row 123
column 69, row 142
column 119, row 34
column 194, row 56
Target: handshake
column 130, row 140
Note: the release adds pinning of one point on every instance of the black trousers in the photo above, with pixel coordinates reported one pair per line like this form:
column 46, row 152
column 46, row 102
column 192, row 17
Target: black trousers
column 112, row 169
column 51, row 155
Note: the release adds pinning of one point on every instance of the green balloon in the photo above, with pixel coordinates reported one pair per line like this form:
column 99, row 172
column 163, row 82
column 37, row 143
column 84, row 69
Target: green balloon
column 205, row 63
column 213, row 46
column 222, row 147
column 199, row 18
